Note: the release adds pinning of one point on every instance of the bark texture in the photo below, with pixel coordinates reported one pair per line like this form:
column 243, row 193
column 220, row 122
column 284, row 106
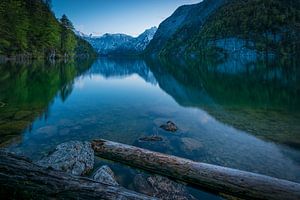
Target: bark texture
column 21, row 179
column 210, row 177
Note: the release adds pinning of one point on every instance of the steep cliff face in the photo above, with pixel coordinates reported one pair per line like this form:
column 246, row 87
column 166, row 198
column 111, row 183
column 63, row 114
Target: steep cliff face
column 239, row 28
column 185, row 17
column 268, row 28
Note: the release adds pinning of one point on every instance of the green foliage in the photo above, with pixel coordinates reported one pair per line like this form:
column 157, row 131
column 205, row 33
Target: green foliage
column 84, row 49
column 271, row 25
column 13, row 26
column 68, row 39
column 29, row 27
column 27, row 89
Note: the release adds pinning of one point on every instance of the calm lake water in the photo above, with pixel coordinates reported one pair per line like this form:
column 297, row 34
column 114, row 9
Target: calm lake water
column 244, row 116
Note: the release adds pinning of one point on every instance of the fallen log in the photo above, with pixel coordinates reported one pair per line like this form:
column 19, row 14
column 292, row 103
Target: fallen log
column 21, row 179
column 214, row 178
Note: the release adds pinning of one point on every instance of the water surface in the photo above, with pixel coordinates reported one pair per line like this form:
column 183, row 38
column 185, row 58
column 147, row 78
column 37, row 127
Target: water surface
column 234, row 115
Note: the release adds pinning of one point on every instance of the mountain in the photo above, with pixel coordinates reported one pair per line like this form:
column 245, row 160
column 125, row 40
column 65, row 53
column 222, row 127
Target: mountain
column 121, row 44
column 191, row 17
column 80, row 34
column 29, row 29
column 108, row 42
column 246, row 29
column 122, row 67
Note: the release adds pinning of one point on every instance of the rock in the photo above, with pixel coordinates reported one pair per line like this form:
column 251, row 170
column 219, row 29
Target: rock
column 105, row 175
column 191, row 144
column 151, row 138
column 161, row 187
column 72, row 157
column 49, row 130
column 141, row 184
column 169, row 126
column 22, row 114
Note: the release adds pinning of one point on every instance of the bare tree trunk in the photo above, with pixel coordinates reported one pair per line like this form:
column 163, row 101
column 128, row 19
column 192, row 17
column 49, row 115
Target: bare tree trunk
column 213, row 178
column 21, row 179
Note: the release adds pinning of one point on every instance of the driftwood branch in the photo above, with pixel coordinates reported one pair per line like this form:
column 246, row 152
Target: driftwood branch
column 213, row 178
column 21, row 179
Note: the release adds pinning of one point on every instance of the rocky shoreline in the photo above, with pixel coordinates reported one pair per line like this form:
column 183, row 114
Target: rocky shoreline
column 77, row 158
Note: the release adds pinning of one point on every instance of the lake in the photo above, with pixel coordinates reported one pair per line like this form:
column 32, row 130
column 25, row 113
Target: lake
column 243, row 116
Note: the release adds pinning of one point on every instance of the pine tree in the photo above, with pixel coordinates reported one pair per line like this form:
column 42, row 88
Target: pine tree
column 48, row 3
column 68, row 39
column 29, row 26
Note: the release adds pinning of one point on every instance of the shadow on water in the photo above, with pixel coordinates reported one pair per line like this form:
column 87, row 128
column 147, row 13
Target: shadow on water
column 28, row 89
column 259, row 98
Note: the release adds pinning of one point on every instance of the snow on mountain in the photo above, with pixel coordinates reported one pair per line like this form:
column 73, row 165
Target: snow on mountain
column 80, row 34
column 140, row 43
column 120, row 43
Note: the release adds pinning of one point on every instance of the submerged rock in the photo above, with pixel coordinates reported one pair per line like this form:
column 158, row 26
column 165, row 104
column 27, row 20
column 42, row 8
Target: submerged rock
column 151, row 138
column 105, row 175
column 169, row 126
column 22, row 114
column 72, row 157
column 191, row 144
column 161, row 187
column 48, row 130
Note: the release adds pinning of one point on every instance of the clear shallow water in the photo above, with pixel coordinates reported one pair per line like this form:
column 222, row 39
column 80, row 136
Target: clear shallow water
column 220, row 122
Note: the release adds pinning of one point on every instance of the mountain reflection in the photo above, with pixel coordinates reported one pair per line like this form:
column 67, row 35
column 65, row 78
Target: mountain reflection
column 122, row 67
column 258, row 98
column 27, row 90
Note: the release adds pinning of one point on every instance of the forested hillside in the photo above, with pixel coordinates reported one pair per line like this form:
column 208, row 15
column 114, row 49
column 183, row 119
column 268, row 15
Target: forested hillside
column 248, row 28
column 28, row 28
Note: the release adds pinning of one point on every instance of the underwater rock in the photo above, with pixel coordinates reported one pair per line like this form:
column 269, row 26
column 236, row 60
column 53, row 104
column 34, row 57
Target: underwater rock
column 161, row 187
column 191, row 144
column 169, row 126
column 49, row 130
column 105, row 175
column 151, row 138
column 22, row 114
column 72, row 157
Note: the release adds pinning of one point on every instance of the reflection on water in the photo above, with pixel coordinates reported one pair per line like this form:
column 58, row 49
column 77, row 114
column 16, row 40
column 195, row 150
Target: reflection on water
column 28, row 90
column 241, row 117
column 257, row 98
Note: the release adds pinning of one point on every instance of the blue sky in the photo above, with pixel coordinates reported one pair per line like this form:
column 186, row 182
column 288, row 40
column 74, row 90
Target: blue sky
column 116, row 16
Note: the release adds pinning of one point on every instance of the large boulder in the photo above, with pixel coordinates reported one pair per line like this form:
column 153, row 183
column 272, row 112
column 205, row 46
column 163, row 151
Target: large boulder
column 161, row 187
column 72, row 157
column 105, row 175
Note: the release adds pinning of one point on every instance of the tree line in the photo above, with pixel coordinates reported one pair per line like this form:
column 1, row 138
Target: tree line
column 267, row 26
column 29, row 27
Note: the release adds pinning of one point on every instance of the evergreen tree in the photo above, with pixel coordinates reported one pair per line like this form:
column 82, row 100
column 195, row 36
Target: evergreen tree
column 29, row 26
column 68, row 39
column 48, row 3
column 13, row 26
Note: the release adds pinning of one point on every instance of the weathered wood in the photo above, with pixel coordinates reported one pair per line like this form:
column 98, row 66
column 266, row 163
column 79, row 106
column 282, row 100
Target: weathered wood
column 21, row 179
column 214, row 178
